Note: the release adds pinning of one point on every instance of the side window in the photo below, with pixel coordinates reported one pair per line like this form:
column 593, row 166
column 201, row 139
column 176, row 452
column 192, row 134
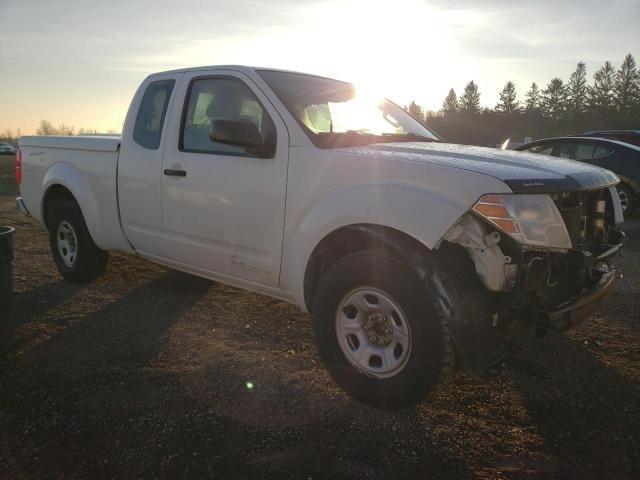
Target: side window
column 544, row 149
column 150, row 119
column 565, row 150
column 584, row 151
column 602, row 151
column 210, row 99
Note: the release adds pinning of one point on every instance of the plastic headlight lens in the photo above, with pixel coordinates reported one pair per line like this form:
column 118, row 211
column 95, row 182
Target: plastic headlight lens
column 530, row 219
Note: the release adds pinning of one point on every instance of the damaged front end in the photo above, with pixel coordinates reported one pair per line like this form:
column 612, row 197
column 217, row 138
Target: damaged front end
column 545, row 259
column 562, row 288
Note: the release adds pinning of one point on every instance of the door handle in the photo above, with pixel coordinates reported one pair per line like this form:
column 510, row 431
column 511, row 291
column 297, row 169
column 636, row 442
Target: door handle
column 175, row 173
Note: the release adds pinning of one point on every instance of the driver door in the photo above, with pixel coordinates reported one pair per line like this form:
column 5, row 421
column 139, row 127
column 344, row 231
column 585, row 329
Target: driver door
column 223, row 206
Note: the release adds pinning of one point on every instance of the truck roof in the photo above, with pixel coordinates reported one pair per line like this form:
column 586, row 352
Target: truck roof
column 239, row 68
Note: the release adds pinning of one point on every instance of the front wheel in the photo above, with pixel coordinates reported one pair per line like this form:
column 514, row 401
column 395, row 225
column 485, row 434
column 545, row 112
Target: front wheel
column 77, row 257
column 381, row 335
column 628, row 198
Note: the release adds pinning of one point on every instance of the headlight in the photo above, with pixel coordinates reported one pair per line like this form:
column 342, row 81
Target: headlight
column 530, row 219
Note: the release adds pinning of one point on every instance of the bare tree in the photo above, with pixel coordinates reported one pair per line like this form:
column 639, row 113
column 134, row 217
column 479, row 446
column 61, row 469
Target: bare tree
column 8, row 136
column 46, row 128
column 66, row 129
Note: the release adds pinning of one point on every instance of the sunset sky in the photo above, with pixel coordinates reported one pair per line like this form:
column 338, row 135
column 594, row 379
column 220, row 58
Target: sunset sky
column 79, row 62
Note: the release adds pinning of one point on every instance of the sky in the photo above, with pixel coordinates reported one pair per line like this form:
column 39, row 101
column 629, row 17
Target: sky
column 79, row 62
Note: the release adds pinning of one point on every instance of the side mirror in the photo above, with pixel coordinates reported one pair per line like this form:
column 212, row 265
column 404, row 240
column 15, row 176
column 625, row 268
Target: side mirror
column 236, row 131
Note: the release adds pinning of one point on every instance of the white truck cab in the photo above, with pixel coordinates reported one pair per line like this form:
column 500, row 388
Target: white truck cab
column 408, row 252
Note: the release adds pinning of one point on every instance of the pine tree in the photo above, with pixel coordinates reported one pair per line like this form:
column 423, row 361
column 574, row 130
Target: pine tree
column 577, row 90
column 415, row 110
column 533, row 100
column 450, row 104
column 626, row 88
column 470, row 99
column 554, row 99
column 600, row 94
column 508, row 103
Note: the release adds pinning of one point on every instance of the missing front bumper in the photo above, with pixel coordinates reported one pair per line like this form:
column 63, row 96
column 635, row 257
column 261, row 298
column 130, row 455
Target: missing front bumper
column 569, row 314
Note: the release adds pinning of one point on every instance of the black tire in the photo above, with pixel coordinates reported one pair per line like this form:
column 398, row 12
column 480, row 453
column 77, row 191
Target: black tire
column 431, row 356
column 625, row 191
column 89, row 261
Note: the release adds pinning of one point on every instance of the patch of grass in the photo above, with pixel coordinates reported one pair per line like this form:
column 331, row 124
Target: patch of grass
column 8, row 175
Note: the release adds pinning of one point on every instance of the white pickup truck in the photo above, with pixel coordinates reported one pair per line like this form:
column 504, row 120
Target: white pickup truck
column 412, row 255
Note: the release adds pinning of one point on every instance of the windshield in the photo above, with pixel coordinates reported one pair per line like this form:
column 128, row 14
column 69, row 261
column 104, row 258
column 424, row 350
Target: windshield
column 335, row 114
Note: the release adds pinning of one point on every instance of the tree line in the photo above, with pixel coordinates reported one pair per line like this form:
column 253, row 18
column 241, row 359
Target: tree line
column 610, row 101
column 9, row 136
column 47, row 128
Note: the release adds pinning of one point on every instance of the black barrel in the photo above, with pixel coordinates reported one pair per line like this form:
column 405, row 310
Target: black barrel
column 6, row 277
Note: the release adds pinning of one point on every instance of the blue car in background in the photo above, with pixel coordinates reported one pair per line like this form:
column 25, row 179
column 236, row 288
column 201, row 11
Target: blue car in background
column 621, row 158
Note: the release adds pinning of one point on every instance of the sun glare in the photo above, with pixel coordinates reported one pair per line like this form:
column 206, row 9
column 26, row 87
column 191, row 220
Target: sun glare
column 376, row 41
column 361, row 111
column 398, row 51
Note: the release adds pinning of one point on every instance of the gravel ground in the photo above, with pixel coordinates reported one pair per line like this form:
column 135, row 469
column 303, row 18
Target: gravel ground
column 150, row 373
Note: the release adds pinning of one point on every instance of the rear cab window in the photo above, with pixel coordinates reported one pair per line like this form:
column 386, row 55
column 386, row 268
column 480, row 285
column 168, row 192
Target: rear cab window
column 147, row 131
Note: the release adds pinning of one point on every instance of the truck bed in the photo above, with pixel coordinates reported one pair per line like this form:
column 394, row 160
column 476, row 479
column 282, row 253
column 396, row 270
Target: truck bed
column 84, row 165
column 91, row 143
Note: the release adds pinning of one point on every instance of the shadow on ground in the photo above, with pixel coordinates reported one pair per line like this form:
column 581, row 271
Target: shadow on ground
column 151, row 373
column 99, row 400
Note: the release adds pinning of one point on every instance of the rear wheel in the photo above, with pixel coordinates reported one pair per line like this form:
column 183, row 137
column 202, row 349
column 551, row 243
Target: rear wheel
column 628, row 198
column 77, row 257
column 380, row 332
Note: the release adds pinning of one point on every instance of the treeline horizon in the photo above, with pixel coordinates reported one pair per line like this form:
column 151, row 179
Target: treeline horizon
column 610, row 101
column 47, row 128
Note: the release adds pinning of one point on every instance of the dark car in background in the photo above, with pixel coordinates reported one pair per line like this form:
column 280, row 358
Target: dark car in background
column 7, row 148
column 626, row 136
column 621, row 158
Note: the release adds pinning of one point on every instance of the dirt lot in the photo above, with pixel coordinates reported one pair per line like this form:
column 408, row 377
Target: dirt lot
column 145, row 375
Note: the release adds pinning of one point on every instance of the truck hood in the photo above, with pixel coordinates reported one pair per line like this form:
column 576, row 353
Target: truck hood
column 522, row 172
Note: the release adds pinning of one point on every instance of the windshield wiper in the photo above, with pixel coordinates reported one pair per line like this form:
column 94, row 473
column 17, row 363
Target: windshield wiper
column 362, row 137
column 391, row 135
column 410, row 135
column 348, row 133
column 384, row 135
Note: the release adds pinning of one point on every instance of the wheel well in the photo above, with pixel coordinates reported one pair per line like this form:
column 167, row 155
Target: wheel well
column 635, row 186
column 355, row 238
column 54, row 195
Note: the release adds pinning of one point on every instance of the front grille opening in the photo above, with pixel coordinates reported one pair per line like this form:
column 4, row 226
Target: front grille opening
column 577, row 209
column 575, row 220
